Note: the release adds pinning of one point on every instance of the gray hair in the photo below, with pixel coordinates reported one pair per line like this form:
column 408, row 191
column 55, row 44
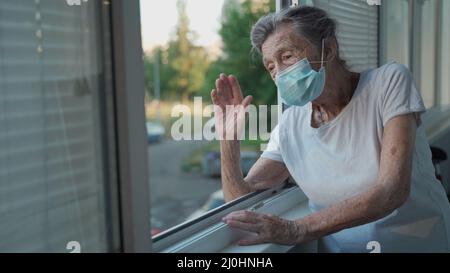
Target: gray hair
column 312, row 23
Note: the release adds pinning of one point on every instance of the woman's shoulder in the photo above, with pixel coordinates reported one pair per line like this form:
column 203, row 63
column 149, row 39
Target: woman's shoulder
column 388, row 78
column 392, row 67
column 391, row 72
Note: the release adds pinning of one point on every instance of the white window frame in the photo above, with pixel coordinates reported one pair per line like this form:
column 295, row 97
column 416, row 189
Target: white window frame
column 210, row 234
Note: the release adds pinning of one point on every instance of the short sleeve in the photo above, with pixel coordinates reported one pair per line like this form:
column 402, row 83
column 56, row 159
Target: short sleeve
column 272, row 150
column 400, row 94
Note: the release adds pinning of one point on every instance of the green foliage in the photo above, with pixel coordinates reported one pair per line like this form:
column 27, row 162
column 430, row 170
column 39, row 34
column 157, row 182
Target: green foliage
column 237, row 57
column 186, row 69
column 165, row 73
column 182, row 64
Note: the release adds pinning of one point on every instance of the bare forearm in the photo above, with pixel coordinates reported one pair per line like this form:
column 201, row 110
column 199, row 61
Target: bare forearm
column 362, row 209
column 390, row 192
column 233, row 183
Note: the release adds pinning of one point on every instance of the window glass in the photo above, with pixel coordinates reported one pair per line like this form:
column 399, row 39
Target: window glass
column 398, row 45
column 184, row 53
column 396, row 31
column 445, row 54
column 427, row 47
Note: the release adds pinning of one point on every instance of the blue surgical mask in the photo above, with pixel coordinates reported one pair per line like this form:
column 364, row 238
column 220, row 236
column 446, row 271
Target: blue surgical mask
column 299, row 83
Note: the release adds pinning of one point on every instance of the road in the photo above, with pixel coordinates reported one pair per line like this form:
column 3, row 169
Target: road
column 174, row 195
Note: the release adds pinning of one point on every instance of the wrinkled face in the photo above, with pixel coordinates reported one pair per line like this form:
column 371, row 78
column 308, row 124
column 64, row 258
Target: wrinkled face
column 284, row 48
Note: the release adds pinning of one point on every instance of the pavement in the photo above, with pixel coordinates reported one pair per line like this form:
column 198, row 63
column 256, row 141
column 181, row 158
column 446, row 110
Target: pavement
column 174, row 194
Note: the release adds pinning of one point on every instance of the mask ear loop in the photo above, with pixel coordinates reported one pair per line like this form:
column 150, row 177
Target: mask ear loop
column 323, row 47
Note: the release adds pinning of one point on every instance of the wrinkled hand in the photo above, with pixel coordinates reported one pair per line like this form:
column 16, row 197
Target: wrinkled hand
column 267, row 228
column 229, row 108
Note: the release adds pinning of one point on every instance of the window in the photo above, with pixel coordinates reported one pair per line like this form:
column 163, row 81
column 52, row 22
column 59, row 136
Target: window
column 415, row 33
column 443, row 98
column 55, row 86
column 184, row 53
column 396, row 31
column 426, row 53
column 211, row 235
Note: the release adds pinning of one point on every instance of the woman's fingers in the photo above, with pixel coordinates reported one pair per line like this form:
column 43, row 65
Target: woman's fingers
column 215, row 97
column 227, row 86
column 268, row 228
column 217, row 102
column 229, row 91
column 246, row 102
column 243, row 225
column 252, row 222
column 243, row 216
column 220, row 92
column 236, row 89
column 222, row 86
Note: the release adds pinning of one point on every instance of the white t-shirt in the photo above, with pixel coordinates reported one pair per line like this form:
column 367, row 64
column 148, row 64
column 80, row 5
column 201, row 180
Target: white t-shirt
column 341, row 159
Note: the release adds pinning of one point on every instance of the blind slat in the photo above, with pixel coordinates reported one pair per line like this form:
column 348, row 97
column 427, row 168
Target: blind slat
column 50, row 158
column 357, row 31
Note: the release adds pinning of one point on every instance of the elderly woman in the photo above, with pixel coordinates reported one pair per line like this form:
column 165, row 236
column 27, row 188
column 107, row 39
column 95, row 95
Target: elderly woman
column 352, row 141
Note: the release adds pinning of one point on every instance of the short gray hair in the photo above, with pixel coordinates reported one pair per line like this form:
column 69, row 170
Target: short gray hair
column 312, row 23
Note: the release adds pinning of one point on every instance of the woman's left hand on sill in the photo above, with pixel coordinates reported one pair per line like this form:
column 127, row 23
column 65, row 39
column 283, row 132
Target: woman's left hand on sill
column 266, row 228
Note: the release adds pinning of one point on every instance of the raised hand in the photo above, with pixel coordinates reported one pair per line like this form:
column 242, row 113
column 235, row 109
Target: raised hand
column 229, row 108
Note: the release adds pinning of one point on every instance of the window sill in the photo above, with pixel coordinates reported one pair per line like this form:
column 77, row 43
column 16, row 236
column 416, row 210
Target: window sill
column 214, row 236
column 299, row 211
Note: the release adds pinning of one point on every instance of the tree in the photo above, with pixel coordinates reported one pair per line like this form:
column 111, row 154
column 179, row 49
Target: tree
column 182, row 64
column 158, row 54
column 237, row 58
column 187, row 61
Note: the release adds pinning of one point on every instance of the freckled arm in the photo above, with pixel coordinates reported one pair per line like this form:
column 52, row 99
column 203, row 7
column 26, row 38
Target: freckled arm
column 390, row 192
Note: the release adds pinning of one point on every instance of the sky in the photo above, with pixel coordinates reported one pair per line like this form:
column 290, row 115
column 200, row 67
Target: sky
column 159, row 18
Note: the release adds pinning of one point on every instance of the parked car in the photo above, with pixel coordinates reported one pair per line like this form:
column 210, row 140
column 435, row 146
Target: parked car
column 211, row 162
column 155, row 132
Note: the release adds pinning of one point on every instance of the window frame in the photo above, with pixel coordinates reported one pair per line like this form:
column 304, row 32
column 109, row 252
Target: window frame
column 210, row 234
column 415, row 51
column 109, row 130
column 129, row 93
